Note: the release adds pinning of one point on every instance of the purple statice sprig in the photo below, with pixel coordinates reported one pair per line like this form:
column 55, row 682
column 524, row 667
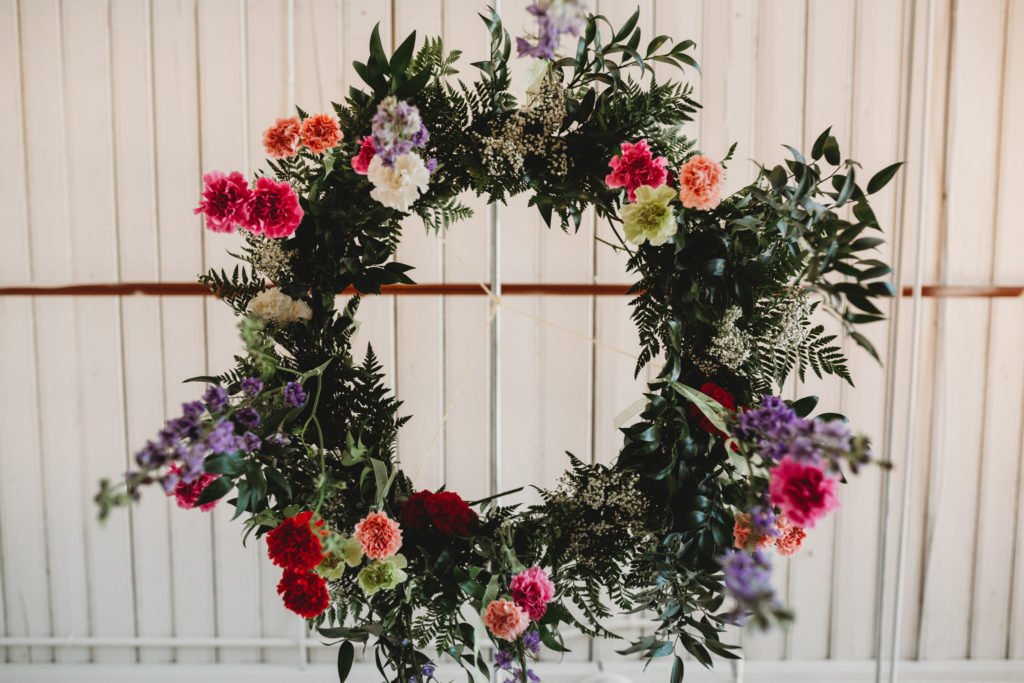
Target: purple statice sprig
column 555, row 18
column 294, row 394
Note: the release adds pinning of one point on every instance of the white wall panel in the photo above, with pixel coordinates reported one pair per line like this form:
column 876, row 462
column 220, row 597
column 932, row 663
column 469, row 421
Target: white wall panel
column 114, row 108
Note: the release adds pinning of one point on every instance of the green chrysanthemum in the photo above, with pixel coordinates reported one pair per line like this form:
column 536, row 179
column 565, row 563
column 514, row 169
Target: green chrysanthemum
column 650, row 218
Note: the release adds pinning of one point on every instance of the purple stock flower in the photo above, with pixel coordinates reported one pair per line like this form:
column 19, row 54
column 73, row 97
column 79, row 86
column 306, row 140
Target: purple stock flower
column 431, row 164
column 748, row 579
column 215, row 398
column 777, row 431
column 222, row 439
column 249, row 442
column 294, row 394
column 762, row 522
column 503, row 660
column 555, row 18
column 252, row 386
column 396, row 129
column 531, row 640
column 248, row 417
column 428, row 670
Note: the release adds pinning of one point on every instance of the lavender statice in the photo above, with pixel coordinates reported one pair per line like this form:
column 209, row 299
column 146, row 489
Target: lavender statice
column 247, row 417
column 397, row 129
column 215, row 398
column 748, row 580
column 555, row 18
column 294, row 394
column 249, row 442
column 776, row 430
column 503, row 659
column 762, row 522
column 531, row 641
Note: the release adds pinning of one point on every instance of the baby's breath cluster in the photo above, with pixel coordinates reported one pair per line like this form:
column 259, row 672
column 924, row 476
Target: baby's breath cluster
column 530, row 131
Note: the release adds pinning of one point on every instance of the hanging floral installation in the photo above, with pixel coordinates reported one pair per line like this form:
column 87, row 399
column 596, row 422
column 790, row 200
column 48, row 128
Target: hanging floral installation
column 717, row 474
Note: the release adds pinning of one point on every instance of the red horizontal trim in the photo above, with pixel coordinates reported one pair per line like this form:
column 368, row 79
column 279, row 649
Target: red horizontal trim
column 445, row 289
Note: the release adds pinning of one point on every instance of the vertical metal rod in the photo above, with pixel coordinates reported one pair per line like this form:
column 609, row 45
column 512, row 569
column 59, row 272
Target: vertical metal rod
column 910, row 16
column 495, row 356
column 915, row 341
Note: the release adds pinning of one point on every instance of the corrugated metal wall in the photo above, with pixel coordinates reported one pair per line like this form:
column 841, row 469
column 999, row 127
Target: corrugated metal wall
column 113, row 108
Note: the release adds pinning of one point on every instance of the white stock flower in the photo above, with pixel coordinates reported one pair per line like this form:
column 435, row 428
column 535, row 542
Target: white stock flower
column 397, row 188
column 273, row 306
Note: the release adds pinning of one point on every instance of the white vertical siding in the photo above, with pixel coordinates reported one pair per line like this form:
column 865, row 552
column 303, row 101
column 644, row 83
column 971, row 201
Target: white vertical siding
column 114, row 108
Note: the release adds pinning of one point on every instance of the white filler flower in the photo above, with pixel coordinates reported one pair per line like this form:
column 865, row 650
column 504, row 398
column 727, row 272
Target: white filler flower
column 273, row 306
column 397, row 188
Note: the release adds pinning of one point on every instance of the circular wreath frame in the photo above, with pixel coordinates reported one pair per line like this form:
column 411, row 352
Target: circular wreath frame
column 723, row 296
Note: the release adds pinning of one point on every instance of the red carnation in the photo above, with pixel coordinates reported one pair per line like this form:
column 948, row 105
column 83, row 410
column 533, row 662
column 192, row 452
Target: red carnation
column 450, row 514
column 445, row 510
column 294, row 545
column 719, row 394
column 413, row 514
column 304, row 593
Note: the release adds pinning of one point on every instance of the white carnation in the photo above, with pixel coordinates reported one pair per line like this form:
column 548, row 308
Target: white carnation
column 398, row 187
column 273, row 306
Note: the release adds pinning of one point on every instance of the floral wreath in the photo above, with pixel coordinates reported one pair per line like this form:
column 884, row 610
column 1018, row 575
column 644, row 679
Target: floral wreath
column 714, row 475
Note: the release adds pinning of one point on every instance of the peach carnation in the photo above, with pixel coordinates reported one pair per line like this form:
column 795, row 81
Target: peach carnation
column 791, row 537
column 700, row 183
column 379, row 535
column 319, row 132
column 505, row 619
column 281, row 140
column 741, row 532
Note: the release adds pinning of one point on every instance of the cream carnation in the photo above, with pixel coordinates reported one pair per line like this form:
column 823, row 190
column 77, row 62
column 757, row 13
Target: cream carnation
column 399, row 186
column 273, row 306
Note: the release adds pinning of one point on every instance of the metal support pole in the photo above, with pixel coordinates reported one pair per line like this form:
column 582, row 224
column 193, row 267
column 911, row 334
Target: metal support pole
column 495, row 356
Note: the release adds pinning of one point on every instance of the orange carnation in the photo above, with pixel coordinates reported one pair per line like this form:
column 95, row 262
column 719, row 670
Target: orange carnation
column 281, row 139
column 319, row 132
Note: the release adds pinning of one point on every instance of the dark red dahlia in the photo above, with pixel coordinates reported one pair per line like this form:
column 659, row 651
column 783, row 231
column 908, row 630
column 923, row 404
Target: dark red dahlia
column 450, row 514
column 413, row 514
column 304, row 593
column 294, row 544
column 719, row 394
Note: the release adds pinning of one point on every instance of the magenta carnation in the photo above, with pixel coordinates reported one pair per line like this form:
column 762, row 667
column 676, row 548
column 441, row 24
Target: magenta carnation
column 225, row 198
column 273, row 210
column 187, row 494
column 532, row 590
column 803, row 490
column 637, row 166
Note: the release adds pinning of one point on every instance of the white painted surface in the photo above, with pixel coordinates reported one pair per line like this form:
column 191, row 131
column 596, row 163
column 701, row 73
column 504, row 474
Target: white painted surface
column 112, row 110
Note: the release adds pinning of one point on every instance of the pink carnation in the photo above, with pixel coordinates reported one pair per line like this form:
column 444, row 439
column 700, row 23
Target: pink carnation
column 803, row 491
column 637, row 166
column 700, row 183
column 361, row 161
column 225, row 198
column 532, row 590
column 186, row 495
column 379, row 535
column 273, row 210
column 505, row 619
column 791, row 537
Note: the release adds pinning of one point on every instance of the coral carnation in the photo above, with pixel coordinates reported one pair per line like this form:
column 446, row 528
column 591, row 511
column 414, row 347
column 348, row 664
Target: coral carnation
column 791, row 537
column 361, row 161
column 380, row 536
column 719, row 394
column 532, row 590
column 273, row 210
column 700, row 183
column 637, row 166
column 225, row 201
column 803, row 490
column 281, row 139
column 294, row 545
column 319, row 132
column 304, row 593
column 505, row 619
